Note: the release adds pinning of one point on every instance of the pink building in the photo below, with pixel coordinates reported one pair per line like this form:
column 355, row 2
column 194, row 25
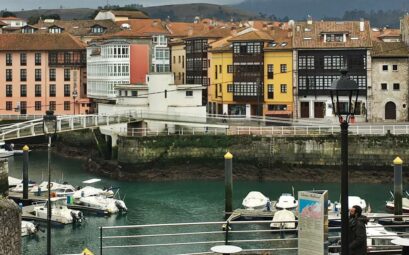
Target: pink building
column 39, row 72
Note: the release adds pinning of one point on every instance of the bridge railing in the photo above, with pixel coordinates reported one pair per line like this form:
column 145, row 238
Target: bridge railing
column 137, row 132
column 253, row 237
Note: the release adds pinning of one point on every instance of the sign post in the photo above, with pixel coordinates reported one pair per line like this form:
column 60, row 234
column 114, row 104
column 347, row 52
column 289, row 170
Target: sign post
column 313, row 222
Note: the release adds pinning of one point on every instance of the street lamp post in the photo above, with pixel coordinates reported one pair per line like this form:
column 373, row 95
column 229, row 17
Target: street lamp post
column 50, row 129
column 349, row 88
column 74, row 97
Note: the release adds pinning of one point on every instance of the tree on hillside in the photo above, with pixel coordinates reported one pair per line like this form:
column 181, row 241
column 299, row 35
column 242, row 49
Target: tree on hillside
column 6, row 14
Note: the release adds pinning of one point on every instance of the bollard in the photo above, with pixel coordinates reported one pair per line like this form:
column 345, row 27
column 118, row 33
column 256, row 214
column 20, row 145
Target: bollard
column 397, row 187
column 25, row 172
column 228, row 183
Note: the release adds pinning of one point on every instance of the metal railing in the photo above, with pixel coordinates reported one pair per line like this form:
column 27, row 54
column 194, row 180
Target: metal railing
column 134, row 132
column 199, row 237
column 320, row 130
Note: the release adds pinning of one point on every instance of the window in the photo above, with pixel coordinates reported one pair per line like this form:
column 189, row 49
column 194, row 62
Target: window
column 384, row 86
column 37, row 105
column 54, row 30
column 67, row 75
column 179, row 59
column 52, row 75
column 67, row 91
column 52, row 106
column 23, row 90
column 23, row 59
column 220, row 68
column 189, row 93
column 394, row 67
column 174, row 59
column 97, row 29
column 9, row 59
column 9, row 106
column 334, row 38
column 396, row 86
column 277, row 107
column 270, row 91
column 283, row 68
column 9, row 74
column 23, row 107
column 333, row 62
column 67, row 105
column 306, row 62
column 37, row 90
column 67, row 58
column 52, row 90
column 162, row 53
column 9, row 90
column 229, row 68
column 37, row 59
column 229, row 87
column 183, row 61
column 38, row 75
column 270, row 71
column 23, row 75
column 134, row 93
column 283, row 88
column 385, row 68
column 53, row 57
column 215, row 72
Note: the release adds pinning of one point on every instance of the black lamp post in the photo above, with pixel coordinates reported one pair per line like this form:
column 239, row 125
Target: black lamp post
column 344, row 87
column 74, row 97
column 50, row 129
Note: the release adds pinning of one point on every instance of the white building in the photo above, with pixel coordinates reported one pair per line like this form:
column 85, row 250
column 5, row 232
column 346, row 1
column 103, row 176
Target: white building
column 13, row 22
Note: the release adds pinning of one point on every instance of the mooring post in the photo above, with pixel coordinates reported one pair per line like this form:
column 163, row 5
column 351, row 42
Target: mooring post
column 25, row 173
column 397, row 187
column 228, row 183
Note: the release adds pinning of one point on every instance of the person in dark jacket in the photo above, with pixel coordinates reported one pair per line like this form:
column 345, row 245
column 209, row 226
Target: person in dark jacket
column 357, row 231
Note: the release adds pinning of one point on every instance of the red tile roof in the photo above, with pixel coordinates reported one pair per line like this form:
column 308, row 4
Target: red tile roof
column 39, row 42
column 141, row 28
column 390, row 49
column 185, row 29
column 311, row 35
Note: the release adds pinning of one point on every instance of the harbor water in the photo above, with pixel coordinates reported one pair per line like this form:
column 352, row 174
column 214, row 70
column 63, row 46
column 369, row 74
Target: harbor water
column 160, row 202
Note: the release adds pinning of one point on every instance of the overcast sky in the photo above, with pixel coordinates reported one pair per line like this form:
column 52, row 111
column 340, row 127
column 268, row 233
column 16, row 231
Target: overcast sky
column 15, row 5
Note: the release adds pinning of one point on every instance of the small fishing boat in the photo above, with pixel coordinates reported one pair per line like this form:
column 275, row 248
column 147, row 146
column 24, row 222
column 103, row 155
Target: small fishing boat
column 110, row 205
column 255, row 201
column 287, row 201
column 61, row 190
column 4, row 153
column 88, row 191
column 283, row 219
column 59, row 212
column 377, row 235
column 352, row 200
column 390, row 205
column 13, row 182
column 28, row 228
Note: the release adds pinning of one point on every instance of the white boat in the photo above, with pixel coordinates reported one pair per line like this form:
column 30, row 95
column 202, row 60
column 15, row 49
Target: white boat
column 3, row 152
column 280, row 217
column 88, row 191
column 13, row 182
column 255, row 201
column 111, row 205
column 60, row 189
column 59, row 211
column 19, row 187
column 352, row 200
column 390, row 205
column 287, row 201
column 28, row 228
column 376, row 234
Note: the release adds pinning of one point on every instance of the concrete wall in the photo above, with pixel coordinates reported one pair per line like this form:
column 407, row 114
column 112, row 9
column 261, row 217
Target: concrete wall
column 266, row 151
column 381, row 97
column 10, row 227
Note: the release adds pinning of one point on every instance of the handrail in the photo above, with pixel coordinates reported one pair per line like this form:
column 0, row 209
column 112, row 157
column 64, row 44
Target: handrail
column 193, row 240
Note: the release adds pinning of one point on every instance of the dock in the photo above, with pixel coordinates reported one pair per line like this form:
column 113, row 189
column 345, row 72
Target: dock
column 32, row 197
column 27, row 215
column 246, row 214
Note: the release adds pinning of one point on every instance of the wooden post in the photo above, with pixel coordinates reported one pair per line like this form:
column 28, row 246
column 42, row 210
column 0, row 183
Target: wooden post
column 25, row 172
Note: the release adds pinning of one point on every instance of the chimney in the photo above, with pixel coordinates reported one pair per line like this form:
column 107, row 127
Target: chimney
column 309, row 20
column 361, row 25
column 154, row 23
column 190, row 31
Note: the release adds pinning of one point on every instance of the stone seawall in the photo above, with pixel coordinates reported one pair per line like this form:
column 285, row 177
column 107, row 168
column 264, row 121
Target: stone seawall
column 364, row 151
column 4, row 173
column 10, row 227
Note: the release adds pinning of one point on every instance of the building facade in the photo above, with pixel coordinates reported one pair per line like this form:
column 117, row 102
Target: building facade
column 250, row 74
column 390, row 76
column 321, row 49
column 43, row 72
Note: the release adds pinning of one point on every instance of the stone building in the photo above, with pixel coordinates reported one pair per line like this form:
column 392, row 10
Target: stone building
column 390, row 74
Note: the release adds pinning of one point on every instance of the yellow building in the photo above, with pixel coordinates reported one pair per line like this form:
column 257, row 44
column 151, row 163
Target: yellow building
column 251, row 74
column 178, row 55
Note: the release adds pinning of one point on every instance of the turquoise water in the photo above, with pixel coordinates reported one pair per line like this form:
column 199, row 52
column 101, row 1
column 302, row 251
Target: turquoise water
column 160, row 202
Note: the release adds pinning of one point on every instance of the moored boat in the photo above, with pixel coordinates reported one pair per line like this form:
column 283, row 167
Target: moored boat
column 28, row 228
column 287, row 201
column 255, row 201
column 283, row 219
